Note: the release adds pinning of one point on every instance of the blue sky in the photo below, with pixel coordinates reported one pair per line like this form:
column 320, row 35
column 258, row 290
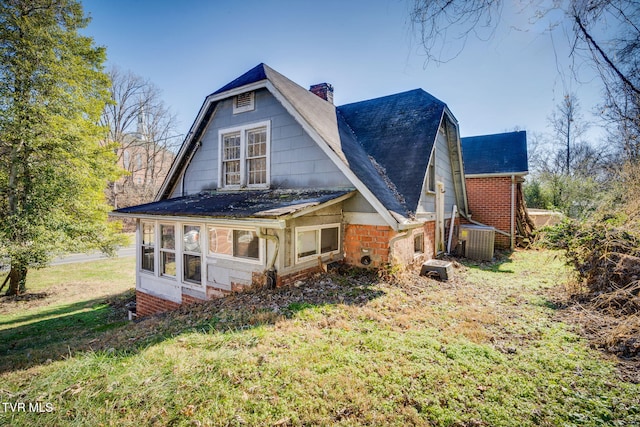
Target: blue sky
column 366, row 49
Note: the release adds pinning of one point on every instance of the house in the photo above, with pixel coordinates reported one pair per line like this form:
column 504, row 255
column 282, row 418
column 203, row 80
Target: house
column 494, row 169
column 274, row 182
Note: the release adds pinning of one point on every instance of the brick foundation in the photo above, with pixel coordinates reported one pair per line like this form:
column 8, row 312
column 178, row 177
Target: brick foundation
column 148, row 304
column 288, row 279
column 490, row 203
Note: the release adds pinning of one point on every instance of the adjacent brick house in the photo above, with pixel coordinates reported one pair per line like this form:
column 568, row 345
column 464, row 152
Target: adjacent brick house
column 274, row 182
column 494, row 168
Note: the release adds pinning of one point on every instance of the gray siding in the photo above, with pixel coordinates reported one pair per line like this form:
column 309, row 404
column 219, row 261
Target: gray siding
column 296, row 160
column 443, row 173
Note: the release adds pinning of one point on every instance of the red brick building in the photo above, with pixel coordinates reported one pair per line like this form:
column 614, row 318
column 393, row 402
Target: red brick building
column 494, row 167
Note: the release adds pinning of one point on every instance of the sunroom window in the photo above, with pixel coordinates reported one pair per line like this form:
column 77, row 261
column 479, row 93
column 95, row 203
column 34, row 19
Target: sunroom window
column 148, row 246
column 317, row 241
column 192, row 257
column 234, row 243
column 167, row 250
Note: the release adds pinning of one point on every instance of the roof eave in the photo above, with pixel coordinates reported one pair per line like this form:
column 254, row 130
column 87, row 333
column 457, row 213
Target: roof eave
column 495, row 175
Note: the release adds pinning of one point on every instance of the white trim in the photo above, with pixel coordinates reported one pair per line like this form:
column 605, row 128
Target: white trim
column 496, row 175
column 250, row 106
column 173, row 251
column 364, row 190
column 249, row 222
column 261, row 247
column 319, row 229
column 243, row 130
column 201, row 254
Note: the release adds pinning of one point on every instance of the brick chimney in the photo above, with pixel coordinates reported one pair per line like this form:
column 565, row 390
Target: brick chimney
column 323, row 90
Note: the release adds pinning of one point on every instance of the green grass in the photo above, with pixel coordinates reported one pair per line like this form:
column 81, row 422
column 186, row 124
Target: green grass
column 483, row 351
column 69, row 308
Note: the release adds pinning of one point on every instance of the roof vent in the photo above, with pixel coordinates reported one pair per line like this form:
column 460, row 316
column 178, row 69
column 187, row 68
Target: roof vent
column 323, row 90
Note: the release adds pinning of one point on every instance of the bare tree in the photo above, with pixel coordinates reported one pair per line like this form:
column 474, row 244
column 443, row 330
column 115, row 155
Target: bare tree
column 604, row 33
column 142, row 131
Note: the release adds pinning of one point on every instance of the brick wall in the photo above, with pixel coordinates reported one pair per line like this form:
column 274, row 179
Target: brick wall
column 367, row 240
column 287, row 279
column 148, row 304
column 490, row 203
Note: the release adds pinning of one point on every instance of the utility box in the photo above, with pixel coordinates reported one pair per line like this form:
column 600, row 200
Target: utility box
column 478, row 241
column 435, row 267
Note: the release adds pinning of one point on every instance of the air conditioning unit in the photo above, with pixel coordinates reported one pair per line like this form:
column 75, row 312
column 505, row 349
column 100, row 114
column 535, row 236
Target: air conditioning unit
column 477, row 241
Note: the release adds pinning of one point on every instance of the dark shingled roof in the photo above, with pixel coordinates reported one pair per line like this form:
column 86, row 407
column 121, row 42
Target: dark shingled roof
column 242, row 204
column 255, row 74
column 397, row 132
column 501, row 153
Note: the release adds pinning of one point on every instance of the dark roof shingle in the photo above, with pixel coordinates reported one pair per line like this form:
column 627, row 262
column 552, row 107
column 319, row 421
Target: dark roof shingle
column 501, row 153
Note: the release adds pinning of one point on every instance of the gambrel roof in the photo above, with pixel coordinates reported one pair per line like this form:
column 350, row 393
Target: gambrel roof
column 381, row 145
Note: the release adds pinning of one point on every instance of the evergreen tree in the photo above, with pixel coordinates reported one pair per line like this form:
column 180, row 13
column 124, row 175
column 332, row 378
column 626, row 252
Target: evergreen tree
column 53, row 169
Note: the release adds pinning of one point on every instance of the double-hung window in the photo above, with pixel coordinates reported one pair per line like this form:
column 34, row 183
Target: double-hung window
column 315, row 241
column 148, row 246
column 244, row 156
column 167, row 250
column 191, row 254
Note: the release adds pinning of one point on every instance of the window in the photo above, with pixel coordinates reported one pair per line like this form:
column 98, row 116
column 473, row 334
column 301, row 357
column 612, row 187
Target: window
column 148, row 246
column 244, row 156
column 257, row 157
column 418, row 243
column 316, row 241
column 244, row 102
column 234, row 243
column 191, row 254
column 431, row 176
column 246, row 244
column 167, row 250
column 220, row 241
column 231, row 160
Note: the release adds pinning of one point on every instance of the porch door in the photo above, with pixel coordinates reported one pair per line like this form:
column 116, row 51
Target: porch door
column 440, row 193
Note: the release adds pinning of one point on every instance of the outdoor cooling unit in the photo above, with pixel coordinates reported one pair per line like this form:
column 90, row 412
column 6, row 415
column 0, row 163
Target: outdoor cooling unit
column 477, row 241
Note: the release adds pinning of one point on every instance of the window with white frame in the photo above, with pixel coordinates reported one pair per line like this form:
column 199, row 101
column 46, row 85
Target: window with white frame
column 315, row 241
column 148, row 246
column 244, row 102
column 191, row 254
column 244, row 156
column 234, row 243
column 167, row 250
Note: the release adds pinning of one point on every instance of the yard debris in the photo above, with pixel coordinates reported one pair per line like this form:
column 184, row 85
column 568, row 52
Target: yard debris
column 605, row 297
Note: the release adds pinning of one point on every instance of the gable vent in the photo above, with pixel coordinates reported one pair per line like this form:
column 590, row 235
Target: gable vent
column 244, row 102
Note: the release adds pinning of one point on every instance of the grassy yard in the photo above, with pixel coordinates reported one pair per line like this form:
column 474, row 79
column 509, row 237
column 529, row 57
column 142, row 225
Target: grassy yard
column 486, row 349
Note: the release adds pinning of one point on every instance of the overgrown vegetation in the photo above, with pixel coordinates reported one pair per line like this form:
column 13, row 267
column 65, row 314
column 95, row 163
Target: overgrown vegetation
column 346, row 348
column 604, row 251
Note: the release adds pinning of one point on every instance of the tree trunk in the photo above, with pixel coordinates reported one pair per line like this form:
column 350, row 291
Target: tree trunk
column 17, row 280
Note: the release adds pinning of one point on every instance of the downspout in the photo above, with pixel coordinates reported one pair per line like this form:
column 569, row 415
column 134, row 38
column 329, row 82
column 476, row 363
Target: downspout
column 271, row 270
column 513, row 211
